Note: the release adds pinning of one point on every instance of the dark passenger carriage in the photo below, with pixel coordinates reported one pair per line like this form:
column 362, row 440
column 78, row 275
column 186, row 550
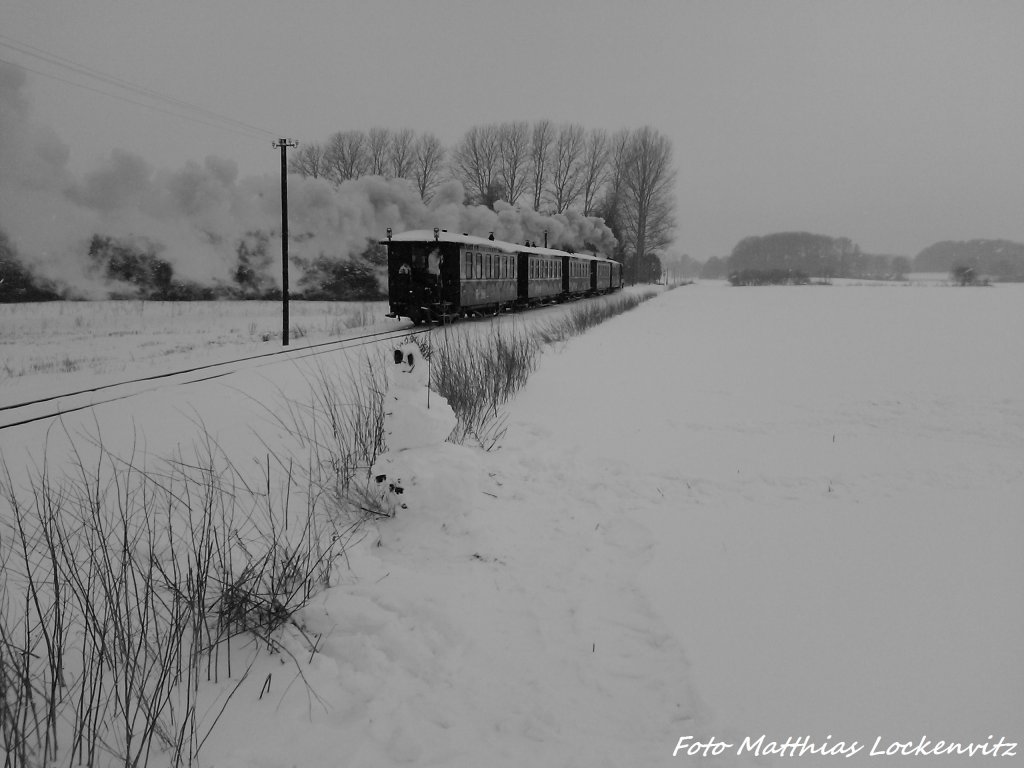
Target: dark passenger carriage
column 540, row 275
column 576, row 275
column 439, row 276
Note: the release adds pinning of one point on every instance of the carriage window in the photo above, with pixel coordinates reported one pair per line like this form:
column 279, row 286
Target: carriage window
column 468, row 268
column 479, row 264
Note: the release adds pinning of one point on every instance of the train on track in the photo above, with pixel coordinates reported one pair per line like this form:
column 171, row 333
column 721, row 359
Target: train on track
column 440, row 276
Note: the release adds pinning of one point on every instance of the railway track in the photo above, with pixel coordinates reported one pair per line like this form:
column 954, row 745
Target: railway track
column 51, row 407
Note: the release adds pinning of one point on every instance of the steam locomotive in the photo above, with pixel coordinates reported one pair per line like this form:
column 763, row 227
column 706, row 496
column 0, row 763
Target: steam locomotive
column 440, row 276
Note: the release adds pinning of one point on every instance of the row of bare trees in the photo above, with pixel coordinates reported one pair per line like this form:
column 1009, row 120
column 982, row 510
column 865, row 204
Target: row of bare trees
column 627, row 177
column 377, row 152
column 547, row 167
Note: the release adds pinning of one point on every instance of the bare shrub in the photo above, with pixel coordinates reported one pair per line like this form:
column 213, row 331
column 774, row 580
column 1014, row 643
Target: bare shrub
column 123, row 588
column 477, row 375
column 584, row 316
column 341, row 426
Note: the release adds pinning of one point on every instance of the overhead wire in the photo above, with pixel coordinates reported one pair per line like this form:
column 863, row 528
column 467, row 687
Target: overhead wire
column 130, row 101
column 172, row 105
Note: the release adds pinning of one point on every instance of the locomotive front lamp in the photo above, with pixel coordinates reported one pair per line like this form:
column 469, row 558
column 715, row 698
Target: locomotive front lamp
column 389, row 233
column 436, row 230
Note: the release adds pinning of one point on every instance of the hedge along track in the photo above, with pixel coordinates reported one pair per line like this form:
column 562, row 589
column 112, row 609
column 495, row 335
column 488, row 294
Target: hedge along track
column 185, row 376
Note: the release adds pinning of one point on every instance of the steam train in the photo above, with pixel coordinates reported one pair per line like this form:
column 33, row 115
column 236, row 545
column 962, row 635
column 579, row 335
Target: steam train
column 440, row 276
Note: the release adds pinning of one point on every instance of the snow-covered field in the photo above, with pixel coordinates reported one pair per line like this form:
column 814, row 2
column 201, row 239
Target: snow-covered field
column 60, row 346
column 730, row 512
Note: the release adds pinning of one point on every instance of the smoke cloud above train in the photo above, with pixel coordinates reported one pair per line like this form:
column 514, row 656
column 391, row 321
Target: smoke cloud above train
column 195, row 218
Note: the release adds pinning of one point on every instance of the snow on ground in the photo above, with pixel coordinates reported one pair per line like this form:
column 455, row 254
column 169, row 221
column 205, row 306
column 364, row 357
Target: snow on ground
column 44, row 347
column 727, row 513
column 832, row 484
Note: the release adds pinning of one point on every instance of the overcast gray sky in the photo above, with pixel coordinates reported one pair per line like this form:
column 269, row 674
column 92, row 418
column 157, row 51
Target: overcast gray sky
column 896, row 124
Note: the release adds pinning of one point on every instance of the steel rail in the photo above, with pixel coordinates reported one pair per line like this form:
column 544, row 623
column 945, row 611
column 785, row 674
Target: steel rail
column 167, row 374
column 294, row 353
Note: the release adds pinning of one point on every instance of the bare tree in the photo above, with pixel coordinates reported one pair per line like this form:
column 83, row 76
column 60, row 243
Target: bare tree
column 345, row 156
column 566, row 167
column 475, row 162
column 428, row 164
column 401, row 154
column 513, row 147
column 595, row 168
column 613, row 205
column 541, row 137
column 378, row 142
column 648, row 185
column 308, row 160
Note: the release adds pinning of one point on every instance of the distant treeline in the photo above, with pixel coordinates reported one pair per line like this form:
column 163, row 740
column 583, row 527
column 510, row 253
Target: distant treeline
column 135, row 269
column 1000, row 260
column 801, row 257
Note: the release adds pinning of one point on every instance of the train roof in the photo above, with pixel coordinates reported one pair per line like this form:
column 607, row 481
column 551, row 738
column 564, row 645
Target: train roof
column 462, row 238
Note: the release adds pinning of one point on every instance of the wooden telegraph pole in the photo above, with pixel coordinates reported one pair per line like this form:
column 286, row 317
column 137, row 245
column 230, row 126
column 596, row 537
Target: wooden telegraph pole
column 284, row 144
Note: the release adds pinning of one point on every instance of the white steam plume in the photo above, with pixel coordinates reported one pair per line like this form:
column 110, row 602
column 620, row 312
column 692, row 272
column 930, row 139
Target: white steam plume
column 198, row 214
